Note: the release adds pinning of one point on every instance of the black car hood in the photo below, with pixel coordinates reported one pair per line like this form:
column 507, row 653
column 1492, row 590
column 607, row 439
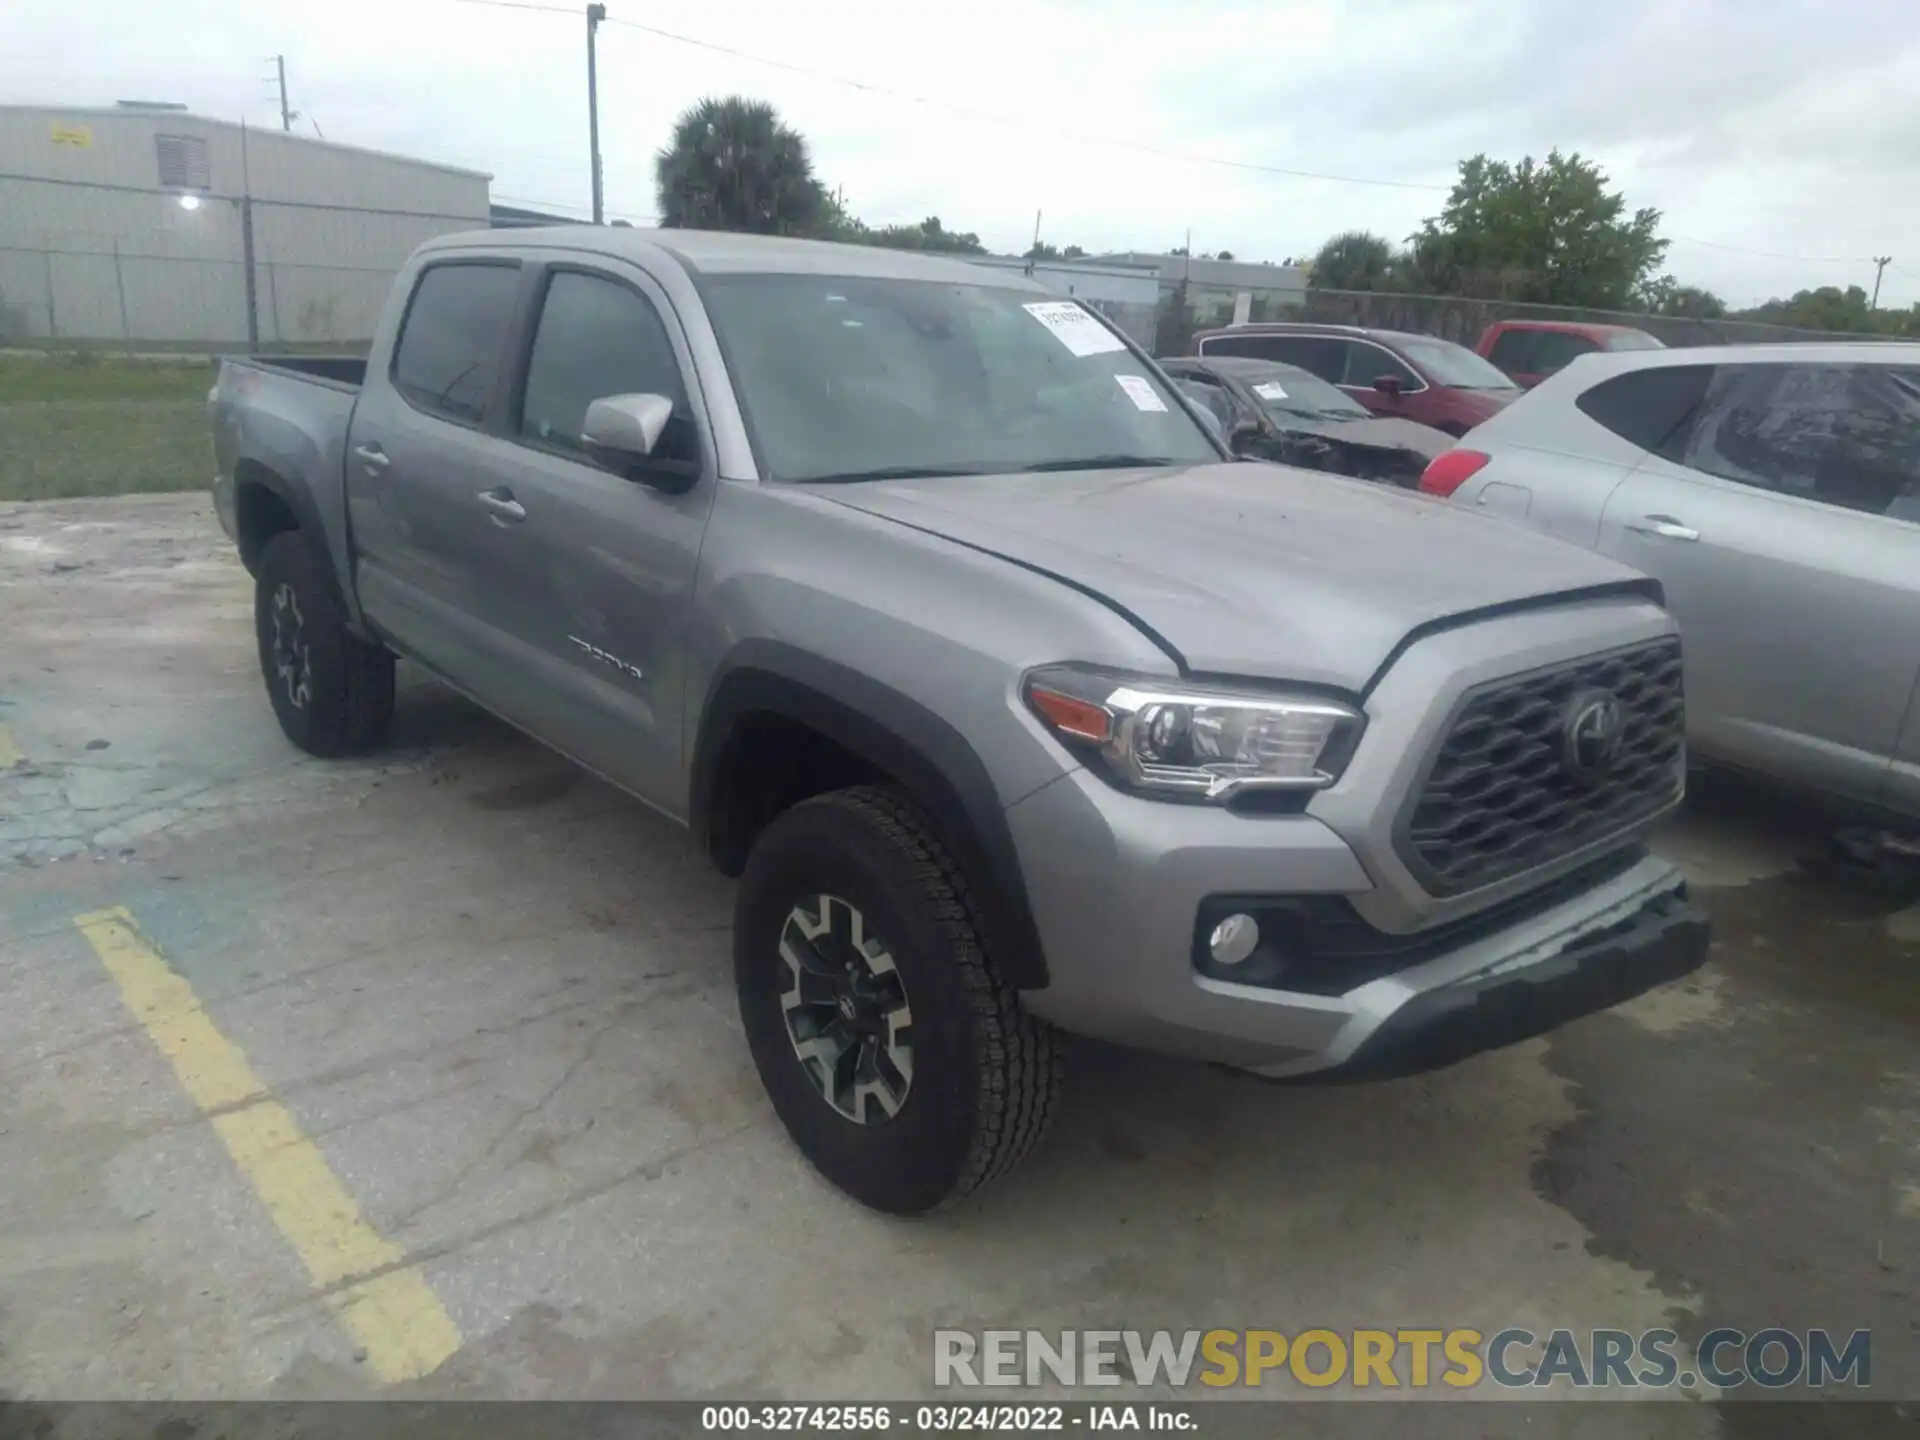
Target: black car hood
column 1384, row 433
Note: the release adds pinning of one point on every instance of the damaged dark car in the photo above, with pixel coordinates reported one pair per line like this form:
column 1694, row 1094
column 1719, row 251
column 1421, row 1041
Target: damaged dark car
column 1272, row 411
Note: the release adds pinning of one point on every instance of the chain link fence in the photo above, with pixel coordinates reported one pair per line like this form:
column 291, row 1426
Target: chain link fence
column 135, row 269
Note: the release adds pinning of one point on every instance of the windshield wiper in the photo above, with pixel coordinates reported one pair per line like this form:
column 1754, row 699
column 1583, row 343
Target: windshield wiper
column 894, row 472
column 1096, row 462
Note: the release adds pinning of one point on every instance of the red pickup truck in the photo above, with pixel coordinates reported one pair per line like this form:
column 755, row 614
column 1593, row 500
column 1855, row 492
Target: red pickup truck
column 1530, row 350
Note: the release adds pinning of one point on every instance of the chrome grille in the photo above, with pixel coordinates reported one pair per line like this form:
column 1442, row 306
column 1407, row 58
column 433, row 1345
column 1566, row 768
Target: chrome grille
column 1500, row 797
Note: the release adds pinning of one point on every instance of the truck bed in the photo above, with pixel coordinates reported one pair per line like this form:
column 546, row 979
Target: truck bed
column 345, row 371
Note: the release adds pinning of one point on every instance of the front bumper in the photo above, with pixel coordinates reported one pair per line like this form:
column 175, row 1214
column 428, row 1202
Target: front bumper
column 1117, row 882
column 1665, row 938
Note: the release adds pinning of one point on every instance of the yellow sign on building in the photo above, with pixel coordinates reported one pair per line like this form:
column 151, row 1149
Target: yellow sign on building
column 80, row 136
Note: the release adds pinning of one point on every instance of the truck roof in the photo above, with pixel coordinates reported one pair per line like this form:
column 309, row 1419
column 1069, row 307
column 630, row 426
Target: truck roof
column 1591, row 328
column 720, row 252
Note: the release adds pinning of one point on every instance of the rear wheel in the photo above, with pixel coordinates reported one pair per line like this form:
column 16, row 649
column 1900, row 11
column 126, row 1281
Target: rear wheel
column 898, row 1059
column 332, row 692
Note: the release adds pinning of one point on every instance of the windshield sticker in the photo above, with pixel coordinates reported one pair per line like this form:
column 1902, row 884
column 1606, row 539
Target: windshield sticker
column 1074, row 328
column 1270, row 390
column 1141, row 393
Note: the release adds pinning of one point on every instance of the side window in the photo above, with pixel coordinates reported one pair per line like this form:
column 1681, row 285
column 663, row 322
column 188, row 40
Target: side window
column 1651, row 409
column 1252, row 347
column 1214, row 396
column 448, row 357
column 598, row 338
column 1872, row 459
column 1366, row 363
column 1556, row 349
column 1842, row 434
column 1513, row 351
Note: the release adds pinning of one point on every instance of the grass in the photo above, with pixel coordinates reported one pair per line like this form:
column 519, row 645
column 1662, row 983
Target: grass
column 89, row 424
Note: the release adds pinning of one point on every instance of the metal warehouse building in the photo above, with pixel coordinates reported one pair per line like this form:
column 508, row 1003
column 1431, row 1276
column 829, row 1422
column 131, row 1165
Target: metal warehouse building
column 144, row 224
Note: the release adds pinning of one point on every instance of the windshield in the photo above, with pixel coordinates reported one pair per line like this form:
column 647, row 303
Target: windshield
column 1289, row 390
column 1632, row 340
column 844, row 378
column 1453, row 365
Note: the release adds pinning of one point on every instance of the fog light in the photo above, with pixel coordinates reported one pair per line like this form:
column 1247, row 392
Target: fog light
column 1234, row 939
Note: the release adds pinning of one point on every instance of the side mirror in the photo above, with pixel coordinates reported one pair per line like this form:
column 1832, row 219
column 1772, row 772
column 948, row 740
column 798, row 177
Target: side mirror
column 1244, row 433
column 619, row 434
column 1388, row 385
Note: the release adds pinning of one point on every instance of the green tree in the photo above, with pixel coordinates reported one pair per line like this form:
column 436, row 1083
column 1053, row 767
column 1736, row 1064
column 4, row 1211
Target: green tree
column 1546, row 232
column 732, row 165
column 1353, row 260
column 929, row 235
column 1666, row 296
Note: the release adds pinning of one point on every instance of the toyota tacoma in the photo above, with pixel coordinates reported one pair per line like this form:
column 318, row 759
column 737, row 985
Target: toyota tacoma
column 926, row 602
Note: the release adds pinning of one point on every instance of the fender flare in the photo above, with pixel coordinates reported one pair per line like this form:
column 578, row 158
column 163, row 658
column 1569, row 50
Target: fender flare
column 297, row 498
column 896, row 734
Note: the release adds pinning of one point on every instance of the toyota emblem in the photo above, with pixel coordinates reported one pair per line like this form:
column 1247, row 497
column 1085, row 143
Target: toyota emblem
column 1596, row 728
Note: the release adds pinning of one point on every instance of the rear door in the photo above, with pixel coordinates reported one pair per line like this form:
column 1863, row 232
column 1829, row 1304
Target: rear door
column 418, row 442
column 592, row 572
column 1784, row 524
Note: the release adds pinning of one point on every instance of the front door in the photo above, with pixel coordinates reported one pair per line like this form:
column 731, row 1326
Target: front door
column 594, row 571
column 1773, row 521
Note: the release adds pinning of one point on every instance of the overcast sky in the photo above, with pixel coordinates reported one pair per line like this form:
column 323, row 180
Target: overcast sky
column 1781, row 140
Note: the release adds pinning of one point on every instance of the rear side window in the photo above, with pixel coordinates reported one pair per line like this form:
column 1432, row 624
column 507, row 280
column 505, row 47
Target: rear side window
column 1513, row 351
column 1557, row 349
column 448, row 358
column 598, row 338
column 1651, row 409
column 1845, row 435
column 1315, row 354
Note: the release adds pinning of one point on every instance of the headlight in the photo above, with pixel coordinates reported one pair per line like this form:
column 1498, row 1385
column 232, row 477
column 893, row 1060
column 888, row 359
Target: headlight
column 1207, row 742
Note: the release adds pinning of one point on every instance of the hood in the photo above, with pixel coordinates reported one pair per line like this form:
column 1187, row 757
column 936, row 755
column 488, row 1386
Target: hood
column 1250, row 569
column 1382, row 433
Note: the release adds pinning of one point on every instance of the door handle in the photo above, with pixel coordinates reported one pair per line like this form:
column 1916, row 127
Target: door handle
column 372, row 458
column 506, row 510
column 1665, row 526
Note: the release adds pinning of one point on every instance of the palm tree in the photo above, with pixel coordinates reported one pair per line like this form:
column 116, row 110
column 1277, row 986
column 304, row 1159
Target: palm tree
column 733, row 166
column 1354, row 260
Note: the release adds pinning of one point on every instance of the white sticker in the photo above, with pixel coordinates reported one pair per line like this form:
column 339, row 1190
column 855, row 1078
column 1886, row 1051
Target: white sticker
column 1074, row 328
column 1270, row 390
column 1141, row 393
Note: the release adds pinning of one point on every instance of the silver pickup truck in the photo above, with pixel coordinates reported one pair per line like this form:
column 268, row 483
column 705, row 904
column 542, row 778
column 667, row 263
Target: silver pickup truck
column 940, row 618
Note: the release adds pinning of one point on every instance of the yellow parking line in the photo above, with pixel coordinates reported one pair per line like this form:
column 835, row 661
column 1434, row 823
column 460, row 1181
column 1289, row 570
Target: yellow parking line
column 384, row 1303
column 10, row 752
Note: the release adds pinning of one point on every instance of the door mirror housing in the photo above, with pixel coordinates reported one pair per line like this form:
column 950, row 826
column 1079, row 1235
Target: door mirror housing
column 620, row 433
column 1243, row 434
column 1389, row 385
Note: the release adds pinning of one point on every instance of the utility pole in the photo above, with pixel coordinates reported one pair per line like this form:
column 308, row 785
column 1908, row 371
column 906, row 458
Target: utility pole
column 287, row 116
column 1880, row 263
column 595, row 14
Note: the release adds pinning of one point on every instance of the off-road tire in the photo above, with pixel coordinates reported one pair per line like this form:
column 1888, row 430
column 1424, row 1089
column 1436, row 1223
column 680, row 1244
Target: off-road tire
column 985, row 1075
column 348, row 702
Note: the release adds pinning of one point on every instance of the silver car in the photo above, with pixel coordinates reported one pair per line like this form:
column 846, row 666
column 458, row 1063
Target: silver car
column 1775, row 492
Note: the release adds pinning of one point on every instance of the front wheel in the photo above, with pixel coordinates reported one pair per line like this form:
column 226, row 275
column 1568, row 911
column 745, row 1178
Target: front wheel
column 898, row 1059
column 332, row 692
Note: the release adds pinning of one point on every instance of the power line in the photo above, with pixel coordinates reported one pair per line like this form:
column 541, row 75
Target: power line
column 967, row 111
column 1773, row 254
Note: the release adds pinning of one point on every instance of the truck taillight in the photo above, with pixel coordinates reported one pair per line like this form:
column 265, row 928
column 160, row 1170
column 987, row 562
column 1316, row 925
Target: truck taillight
column 1448, row 472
